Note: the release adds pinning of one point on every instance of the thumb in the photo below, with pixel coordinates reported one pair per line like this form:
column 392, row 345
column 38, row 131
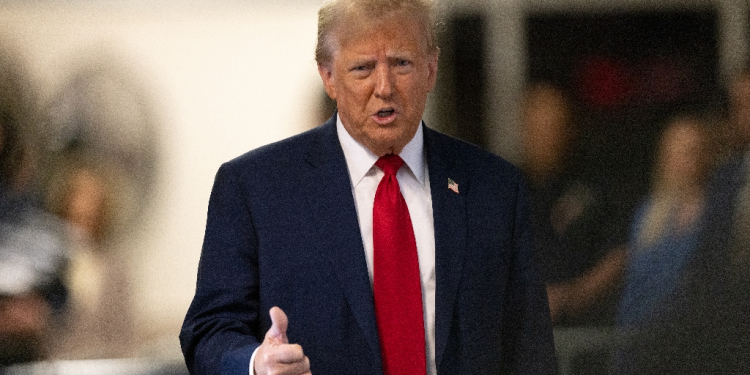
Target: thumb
column 279, row 323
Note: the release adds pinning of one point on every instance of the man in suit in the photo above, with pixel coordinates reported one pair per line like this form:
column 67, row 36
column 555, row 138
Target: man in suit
column 297, row 263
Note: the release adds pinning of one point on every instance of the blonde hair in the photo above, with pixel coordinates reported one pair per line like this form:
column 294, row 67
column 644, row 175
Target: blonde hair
column 334, row 13
column 666, row 195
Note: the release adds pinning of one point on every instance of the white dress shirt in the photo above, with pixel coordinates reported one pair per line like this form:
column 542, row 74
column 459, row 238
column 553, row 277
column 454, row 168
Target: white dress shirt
column 415, row 187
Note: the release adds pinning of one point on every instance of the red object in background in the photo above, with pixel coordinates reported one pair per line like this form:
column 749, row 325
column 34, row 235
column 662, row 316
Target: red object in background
column 603, row 81
column 607, row 82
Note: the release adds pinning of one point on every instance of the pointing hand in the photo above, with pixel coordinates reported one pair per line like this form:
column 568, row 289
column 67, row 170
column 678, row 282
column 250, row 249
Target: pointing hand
column 276, row 356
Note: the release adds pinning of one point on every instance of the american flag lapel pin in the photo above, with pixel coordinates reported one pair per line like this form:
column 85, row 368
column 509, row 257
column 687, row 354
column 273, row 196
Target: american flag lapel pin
column 453, row 186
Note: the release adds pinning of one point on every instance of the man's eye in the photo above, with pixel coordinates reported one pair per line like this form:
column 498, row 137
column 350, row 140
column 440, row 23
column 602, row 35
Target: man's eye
column 404, row 62
column 360, row 68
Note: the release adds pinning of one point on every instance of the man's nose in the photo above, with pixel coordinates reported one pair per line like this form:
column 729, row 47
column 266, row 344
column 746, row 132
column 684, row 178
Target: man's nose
column 383, row 82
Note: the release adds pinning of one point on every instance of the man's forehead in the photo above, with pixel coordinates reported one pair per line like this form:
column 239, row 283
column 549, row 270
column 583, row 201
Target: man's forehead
column 364, row 35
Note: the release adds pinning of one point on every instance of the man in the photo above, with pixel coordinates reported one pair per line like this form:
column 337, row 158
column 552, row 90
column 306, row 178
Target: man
column 304, row 229
column 577, row 242
column 578, row 245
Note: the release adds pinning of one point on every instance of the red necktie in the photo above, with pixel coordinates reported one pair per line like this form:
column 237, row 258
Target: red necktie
column 396, row 285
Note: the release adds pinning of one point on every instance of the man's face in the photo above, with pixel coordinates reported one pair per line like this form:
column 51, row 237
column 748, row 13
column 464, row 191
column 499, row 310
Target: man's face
column 380, row 76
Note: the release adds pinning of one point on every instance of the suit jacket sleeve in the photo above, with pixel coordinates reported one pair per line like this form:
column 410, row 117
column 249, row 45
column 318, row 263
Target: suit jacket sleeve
column 528, row 328
column 220, row 331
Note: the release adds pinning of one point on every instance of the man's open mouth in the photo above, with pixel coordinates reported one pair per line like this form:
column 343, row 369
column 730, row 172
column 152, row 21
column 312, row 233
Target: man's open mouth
column 385, row 112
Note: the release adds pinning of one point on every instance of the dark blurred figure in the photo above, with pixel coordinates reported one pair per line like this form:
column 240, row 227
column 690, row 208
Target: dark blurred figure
column 580, row 257
column 580, row 250
column 703, row 328
column 666, row 231
column 32, row 250
column 718, row 339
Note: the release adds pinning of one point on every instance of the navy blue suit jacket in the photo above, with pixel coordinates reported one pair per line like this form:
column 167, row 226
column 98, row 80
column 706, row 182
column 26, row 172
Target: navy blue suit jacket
column 282, row 230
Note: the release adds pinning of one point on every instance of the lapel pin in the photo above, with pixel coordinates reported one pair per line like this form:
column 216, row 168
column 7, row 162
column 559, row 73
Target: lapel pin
column 453, row 186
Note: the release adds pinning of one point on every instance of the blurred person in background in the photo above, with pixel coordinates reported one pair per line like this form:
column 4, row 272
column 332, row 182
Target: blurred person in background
column 98, row 323
column 102, row 156
column 666, row 231
column 33, row 251
column 580, row 254
column 580, row 259
column 717, row 294
column 702, row 328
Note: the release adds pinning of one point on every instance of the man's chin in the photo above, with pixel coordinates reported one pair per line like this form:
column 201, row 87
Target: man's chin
column 387, row 144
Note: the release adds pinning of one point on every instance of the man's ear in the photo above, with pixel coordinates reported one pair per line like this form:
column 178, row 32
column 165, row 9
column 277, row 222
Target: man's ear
column 432, row 66
column 326, row 74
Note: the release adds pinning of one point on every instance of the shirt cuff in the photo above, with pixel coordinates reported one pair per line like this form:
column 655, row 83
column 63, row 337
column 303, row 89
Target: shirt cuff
column 252, row 361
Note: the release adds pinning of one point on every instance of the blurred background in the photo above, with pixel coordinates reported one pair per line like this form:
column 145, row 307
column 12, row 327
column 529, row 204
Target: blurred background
column 115, row 115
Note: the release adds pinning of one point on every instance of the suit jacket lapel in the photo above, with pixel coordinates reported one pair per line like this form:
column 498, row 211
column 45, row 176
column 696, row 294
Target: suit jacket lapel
column 449, row 213
column 336, row 220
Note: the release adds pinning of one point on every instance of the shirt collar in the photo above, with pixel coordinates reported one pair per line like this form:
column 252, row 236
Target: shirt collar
column 360, row 160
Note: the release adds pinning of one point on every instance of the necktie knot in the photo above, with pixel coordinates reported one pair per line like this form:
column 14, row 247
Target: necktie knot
column 390, row 164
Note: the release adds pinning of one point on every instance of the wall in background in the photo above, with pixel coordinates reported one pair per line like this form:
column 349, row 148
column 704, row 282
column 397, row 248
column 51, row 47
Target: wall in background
column 222, row 79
